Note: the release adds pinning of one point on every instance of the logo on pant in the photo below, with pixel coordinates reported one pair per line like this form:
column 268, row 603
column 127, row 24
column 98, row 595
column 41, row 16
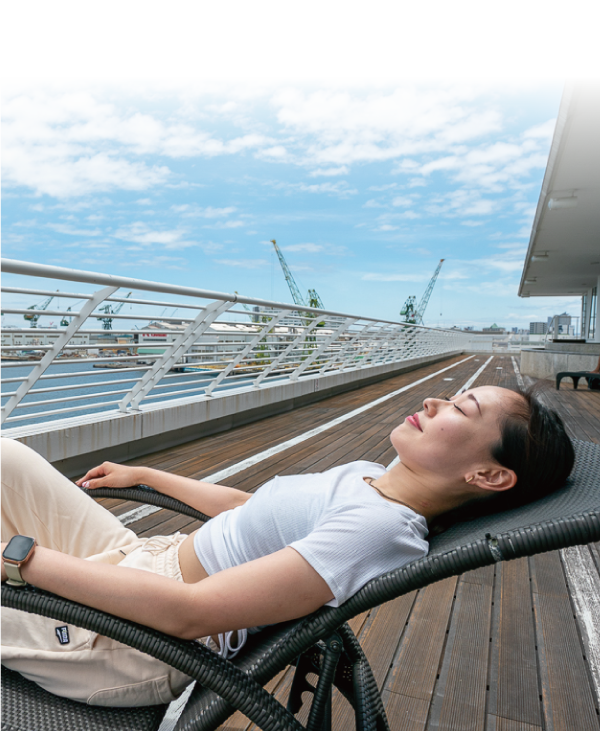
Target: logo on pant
column 63, row 635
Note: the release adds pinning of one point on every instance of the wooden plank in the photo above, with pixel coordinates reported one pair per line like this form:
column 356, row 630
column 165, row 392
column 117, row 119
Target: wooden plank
column 404, row 713
column 497, row 723
column 379, row 640
column 514, row 688
column 460, row 694
column 568, row 699
column 416, row 665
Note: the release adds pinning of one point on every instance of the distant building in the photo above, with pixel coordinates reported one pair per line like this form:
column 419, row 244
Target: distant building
column 538, row 328
column 494, row 329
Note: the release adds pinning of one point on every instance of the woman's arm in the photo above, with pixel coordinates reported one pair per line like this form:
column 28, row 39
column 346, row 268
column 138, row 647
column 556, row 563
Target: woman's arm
column 203, row 496
column 265, row 591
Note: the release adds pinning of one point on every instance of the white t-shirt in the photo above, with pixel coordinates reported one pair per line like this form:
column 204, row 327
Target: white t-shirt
column 345, row 530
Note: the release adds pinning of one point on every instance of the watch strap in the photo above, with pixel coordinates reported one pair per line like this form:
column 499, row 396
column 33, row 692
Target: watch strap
column 13, row 573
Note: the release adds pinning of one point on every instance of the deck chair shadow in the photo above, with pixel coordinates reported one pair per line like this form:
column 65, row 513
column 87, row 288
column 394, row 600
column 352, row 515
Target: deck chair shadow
column 321, row 644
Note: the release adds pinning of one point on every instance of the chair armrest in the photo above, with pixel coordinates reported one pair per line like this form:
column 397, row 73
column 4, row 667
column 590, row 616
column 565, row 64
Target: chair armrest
column 188, row 656
column 145, row 494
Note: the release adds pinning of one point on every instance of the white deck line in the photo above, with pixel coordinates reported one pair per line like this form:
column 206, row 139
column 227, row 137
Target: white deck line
column 520, row 381
column 137, row 513
column 584, row 582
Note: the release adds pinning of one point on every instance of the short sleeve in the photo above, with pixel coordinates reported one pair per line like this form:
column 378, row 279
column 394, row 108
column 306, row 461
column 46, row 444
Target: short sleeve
column 351, row 547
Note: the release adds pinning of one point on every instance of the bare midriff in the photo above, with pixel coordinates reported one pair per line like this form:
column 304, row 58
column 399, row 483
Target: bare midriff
column 192, row 570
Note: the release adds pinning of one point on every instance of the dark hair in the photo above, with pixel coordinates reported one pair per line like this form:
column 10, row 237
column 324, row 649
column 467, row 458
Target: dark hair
column 535, row 445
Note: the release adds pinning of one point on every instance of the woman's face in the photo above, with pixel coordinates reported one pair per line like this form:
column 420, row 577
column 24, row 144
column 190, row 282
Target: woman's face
column 455, row 436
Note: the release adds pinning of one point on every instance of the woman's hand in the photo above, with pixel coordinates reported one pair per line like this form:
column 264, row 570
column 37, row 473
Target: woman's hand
column 109, row 474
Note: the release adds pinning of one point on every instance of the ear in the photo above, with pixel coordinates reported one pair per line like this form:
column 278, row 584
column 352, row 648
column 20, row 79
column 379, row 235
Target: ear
column 495, row 479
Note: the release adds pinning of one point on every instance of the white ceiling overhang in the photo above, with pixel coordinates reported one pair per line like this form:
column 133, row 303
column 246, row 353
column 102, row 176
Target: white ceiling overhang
column 563, row 257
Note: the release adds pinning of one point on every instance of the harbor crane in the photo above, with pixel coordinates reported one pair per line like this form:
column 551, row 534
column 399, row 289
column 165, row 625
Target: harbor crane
column 34, row 316
column 415, row 315
column 312, row 300
column 109, row 311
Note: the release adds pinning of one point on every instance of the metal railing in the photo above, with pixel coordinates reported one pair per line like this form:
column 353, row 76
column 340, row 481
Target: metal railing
column 217, row 342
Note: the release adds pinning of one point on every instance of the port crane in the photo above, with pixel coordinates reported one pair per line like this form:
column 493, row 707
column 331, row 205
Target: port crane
column 34, row 316
column 312, row 300
column 109, row 311
column 413, row 314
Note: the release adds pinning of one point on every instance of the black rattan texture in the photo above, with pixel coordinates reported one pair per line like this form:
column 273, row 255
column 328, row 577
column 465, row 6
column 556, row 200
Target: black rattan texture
column 145, row 494
column 27, row 707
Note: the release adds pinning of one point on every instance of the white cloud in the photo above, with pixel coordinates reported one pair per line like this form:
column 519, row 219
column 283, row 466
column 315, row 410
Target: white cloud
column 378, row 277
column 141, row 233
column 341, row 170
column 71, row 144
column 195, row 211
column 544, row 131
column 381, row 188
column 308, row 248
column 344, row 82
column 63, row 229
column 244, row 263
column 402, row 200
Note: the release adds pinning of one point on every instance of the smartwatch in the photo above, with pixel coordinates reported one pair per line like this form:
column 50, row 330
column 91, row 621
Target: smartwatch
column 17, row 552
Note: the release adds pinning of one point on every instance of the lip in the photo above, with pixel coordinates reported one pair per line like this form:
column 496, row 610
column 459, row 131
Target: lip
column 414, row 421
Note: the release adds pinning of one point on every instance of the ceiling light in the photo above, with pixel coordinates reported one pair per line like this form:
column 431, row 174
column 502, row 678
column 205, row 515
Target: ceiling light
column 540, row 257
column 533, row 280
column 568, row 202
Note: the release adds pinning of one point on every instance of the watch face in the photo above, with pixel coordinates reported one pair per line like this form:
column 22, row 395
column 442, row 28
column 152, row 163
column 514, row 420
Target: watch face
column 18, row 548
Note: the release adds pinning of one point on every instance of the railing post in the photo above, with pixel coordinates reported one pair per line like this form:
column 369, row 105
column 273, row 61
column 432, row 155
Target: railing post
column 346, row 349
column 38, row 370
column 367, row 345
column 301, row 335
column 316, row 353
column 241, row 355
column 171, row 355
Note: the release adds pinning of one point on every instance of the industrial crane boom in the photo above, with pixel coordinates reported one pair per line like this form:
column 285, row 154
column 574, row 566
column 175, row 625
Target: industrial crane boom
column 296, row 296
column 108, row 310
column 425, row 298
column 38, row 309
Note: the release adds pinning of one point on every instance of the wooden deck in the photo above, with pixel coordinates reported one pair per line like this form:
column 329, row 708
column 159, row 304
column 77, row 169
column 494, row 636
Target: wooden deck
column 497, row 649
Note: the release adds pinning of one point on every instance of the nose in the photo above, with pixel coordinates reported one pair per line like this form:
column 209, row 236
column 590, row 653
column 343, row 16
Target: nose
column 431, row 405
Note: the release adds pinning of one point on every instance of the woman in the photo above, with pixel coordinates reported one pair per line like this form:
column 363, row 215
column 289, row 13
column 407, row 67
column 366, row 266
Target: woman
column 295, row 545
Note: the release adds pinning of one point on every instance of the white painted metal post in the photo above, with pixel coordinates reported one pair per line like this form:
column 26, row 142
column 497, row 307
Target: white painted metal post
column 179, row 347
column 368, row 344
column 301, row 335
column 347, row 349
column 77, row 321
column 316, row 353
column 241, row 355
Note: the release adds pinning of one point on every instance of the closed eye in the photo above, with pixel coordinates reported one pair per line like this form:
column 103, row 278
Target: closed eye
column 455, row 406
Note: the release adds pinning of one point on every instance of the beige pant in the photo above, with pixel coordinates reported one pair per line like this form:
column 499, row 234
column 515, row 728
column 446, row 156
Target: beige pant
column 38, row 501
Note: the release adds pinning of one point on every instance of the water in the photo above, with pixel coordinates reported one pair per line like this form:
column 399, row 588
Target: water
column 95, row 396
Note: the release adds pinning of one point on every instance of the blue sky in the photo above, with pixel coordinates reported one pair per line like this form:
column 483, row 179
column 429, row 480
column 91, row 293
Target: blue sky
column 364, row 190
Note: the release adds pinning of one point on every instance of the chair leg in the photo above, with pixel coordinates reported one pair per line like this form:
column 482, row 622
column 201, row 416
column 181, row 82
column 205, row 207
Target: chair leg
column 320, row 712
column 368, row 706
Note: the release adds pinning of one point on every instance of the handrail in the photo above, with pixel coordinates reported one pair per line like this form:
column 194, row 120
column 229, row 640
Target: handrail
column 214, row 347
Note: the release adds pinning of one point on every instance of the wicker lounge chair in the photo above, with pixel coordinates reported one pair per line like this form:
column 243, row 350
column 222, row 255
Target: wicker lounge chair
column 593, row 379
column 321, row 643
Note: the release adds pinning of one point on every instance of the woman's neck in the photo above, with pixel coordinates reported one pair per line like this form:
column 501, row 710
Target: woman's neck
column 419, row 492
